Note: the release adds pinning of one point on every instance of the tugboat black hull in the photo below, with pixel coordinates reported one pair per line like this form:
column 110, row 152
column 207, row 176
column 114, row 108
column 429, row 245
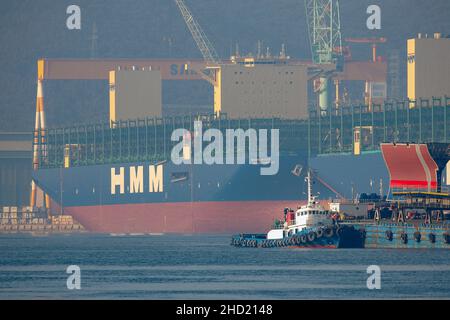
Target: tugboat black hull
column 330, row 237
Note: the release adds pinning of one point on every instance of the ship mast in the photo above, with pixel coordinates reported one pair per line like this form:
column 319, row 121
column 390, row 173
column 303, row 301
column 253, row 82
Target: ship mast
column 308, row 179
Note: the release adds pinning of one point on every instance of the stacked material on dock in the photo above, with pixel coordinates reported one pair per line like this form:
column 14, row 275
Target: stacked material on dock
column 5, row 216
column 31, row 219
column 27, row 215
column 62, row 220
column 24, row 215
column 9, row 215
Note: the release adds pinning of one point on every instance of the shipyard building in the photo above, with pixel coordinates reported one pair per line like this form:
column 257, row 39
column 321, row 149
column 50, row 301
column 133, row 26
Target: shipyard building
column 428, row 66
column 262, row 91
column 134, row 94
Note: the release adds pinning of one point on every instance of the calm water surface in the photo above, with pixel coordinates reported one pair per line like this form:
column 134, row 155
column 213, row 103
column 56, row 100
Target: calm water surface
column 207, row 267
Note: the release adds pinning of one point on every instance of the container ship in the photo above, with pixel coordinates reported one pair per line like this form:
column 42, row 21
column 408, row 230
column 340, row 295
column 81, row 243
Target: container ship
column 120, row 178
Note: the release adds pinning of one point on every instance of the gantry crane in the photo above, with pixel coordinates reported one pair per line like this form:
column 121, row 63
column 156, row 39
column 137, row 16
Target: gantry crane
column 371, row 41
column 204, row 45
column 209, row 54
column 324, row 27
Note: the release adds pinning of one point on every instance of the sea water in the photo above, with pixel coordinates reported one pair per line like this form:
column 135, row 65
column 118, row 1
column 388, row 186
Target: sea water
column 207, row 267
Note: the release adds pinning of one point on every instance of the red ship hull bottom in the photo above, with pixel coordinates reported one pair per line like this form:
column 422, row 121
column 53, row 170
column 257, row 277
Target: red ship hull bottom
column 184, row 217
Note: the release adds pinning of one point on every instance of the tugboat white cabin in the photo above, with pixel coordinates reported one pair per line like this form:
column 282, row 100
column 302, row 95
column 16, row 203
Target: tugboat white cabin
column 310, row 215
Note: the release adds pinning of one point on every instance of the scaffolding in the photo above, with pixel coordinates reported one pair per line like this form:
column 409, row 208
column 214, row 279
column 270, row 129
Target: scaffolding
column 422, row 121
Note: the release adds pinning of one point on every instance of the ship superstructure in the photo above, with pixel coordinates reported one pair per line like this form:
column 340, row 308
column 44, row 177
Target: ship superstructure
column 308, row 216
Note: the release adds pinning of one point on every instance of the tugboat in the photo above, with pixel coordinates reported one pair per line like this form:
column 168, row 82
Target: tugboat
column 311, row 226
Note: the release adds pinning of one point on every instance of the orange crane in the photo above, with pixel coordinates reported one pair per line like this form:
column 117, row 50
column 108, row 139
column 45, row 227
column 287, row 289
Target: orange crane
column 372, row 41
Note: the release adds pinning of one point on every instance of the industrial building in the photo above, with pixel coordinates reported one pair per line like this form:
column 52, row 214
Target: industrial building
column 134, row 94
column 428, row 66
column 15, row 168
column 263, row 91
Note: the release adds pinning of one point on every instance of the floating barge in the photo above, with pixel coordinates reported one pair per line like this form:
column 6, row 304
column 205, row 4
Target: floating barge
column 417, row 220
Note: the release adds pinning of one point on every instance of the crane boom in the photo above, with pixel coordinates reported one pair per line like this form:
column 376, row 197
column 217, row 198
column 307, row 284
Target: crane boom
column 324, row 26
column 204, row 45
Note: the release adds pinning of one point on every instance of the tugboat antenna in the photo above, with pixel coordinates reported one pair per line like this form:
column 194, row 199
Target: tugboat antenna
column 310, row 200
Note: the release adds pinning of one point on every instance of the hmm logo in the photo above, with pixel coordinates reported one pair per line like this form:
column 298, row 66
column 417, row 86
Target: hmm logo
column 134, row 176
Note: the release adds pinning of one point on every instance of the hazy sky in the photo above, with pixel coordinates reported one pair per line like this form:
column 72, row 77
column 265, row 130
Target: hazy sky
column 31, row 29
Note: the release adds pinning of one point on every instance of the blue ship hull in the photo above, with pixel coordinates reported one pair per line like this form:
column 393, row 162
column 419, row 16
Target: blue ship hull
column 194, row 198
column 91, row 185
column 351, row 175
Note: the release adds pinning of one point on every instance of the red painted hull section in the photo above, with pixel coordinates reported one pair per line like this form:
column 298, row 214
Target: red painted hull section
column 183, row 217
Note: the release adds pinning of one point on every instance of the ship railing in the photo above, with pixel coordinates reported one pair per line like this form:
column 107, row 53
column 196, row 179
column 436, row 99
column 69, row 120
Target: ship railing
column 420, row 121
column 442, row 191
column 414, row 121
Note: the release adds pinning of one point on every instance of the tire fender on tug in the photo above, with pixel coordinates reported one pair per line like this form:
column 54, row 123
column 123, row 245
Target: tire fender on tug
column 292, row 241
column 311, row 236
column 389, row 235
column 329, row 232
column 303, row 239
column 319, row 233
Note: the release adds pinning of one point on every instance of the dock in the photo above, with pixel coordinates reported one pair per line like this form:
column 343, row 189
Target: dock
column 36, row 221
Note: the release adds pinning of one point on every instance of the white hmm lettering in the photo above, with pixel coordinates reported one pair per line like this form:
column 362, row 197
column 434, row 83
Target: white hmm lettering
column 156, row 179
column 118, row 180
column 137, row 179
